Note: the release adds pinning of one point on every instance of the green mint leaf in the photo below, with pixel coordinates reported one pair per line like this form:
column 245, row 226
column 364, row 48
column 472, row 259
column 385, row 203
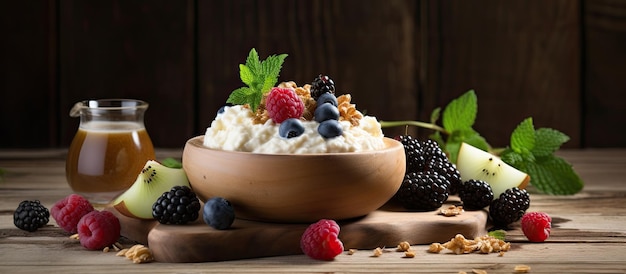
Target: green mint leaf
column 241, row 96
column 253, row 62
column 499, row 234
column 259, row 76
column 523, row 137
column 460, row 113
column 511, row 157
column 548, row 141
column 171, row 163
column 553, row 175
column 246, row 75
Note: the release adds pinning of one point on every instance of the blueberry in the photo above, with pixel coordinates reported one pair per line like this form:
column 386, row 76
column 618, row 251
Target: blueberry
column 327, row 98
column 290, row 128
column 218, row 213
column 223, row 108
column 330, row 129
column 326, row 112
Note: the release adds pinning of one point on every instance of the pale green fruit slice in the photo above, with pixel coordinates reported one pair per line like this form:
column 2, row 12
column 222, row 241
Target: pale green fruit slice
column 477, row 164
column 153, row 180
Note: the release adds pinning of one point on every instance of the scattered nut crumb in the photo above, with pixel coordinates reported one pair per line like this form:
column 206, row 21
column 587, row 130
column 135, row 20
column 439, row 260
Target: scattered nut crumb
column 452, row 211
column 137, row 253
column 462, row 272
column 409, row 254
column 501, row 254
column 106, row 249
column 479, row 271
column 351, row 251
column 435, row 248
column 521, row 269
column 403, row 246
column 378, row 252
column 74, row 236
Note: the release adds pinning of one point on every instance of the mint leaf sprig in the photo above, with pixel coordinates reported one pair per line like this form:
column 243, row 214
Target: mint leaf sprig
column 531, row 150
column 259, row 76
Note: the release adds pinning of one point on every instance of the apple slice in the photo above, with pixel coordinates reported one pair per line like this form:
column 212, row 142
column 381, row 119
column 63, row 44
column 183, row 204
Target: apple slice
column 153, row 180
column 477, row 164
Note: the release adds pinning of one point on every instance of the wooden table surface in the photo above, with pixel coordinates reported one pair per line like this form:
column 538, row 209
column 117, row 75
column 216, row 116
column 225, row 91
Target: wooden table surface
column 588, row 235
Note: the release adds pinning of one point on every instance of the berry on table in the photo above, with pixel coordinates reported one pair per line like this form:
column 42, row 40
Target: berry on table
column 320, row 240
column 322, row 84
column 218, row 213
column 178, row 206
column 536, row 226
column 98, row 229
column 422, row 191
column 290, row 128
column 509, row 207
column 69, row 210
column 475, row 194
column 30, row 215
column 282, row 104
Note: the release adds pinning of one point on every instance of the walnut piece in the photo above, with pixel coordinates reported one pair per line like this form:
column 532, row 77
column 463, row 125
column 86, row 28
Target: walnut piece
column 460, row 245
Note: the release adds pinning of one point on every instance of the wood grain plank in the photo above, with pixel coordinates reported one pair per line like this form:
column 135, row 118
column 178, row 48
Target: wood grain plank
column 369, row 50
column 605, row 70
column 521, row 57
column 28, row 74
column 137, row 49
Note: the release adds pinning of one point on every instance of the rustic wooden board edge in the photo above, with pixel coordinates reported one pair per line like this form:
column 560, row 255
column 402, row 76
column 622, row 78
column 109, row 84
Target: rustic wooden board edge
column 248, row 239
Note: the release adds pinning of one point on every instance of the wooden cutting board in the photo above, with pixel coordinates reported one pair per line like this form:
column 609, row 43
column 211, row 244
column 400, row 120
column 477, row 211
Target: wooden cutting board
column 385, row 227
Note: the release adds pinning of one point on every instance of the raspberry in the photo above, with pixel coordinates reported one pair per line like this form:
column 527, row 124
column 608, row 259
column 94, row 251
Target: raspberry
column 30, row 215
column 98, row 229
column 319, row 241
column 68, row 211
column 536, row 226
column 282, row 104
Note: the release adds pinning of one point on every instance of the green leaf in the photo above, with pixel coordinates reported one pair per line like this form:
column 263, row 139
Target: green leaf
column 259, row 76
column 553, row 175
column 499, row 234
column 240, row 96
column 253, row 62
column 511, row 157
column 172, row 163
column 523, row 137
column 460, row 113
column 246, row 75
column 548, row 141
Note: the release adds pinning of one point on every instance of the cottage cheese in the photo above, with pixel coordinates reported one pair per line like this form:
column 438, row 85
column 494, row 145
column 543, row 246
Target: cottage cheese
column 234, row 130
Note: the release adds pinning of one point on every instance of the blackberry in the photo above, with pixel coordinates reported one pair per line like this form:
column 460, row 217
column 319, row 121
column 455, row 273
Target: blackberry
column 413, row 152
column 509, row 207
column 30, row 215
column 322, row 84
column 431, row 150
column 422, row 191
column 178, row 206
column 475, row 194
column 444, row 167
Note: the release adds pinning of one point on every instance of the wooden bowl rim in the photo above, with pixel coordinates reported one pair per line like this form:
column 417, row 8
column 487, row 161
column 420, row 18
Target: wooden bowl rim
column 390, row 145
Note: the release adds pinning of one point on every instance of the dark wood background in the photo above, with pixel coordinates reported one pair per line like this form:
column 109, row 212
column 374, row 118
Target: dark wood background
column 561, row 62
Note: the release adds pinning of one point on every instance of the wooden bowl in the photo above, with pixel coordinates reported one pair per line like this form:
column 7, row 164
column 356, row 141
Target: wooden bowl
column 296, row 188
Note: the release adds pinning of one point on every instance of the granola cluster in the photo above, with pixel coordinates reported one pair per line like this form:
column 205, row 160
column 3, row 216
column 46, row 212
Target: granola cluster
column 347, row 111
column 460, row 245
